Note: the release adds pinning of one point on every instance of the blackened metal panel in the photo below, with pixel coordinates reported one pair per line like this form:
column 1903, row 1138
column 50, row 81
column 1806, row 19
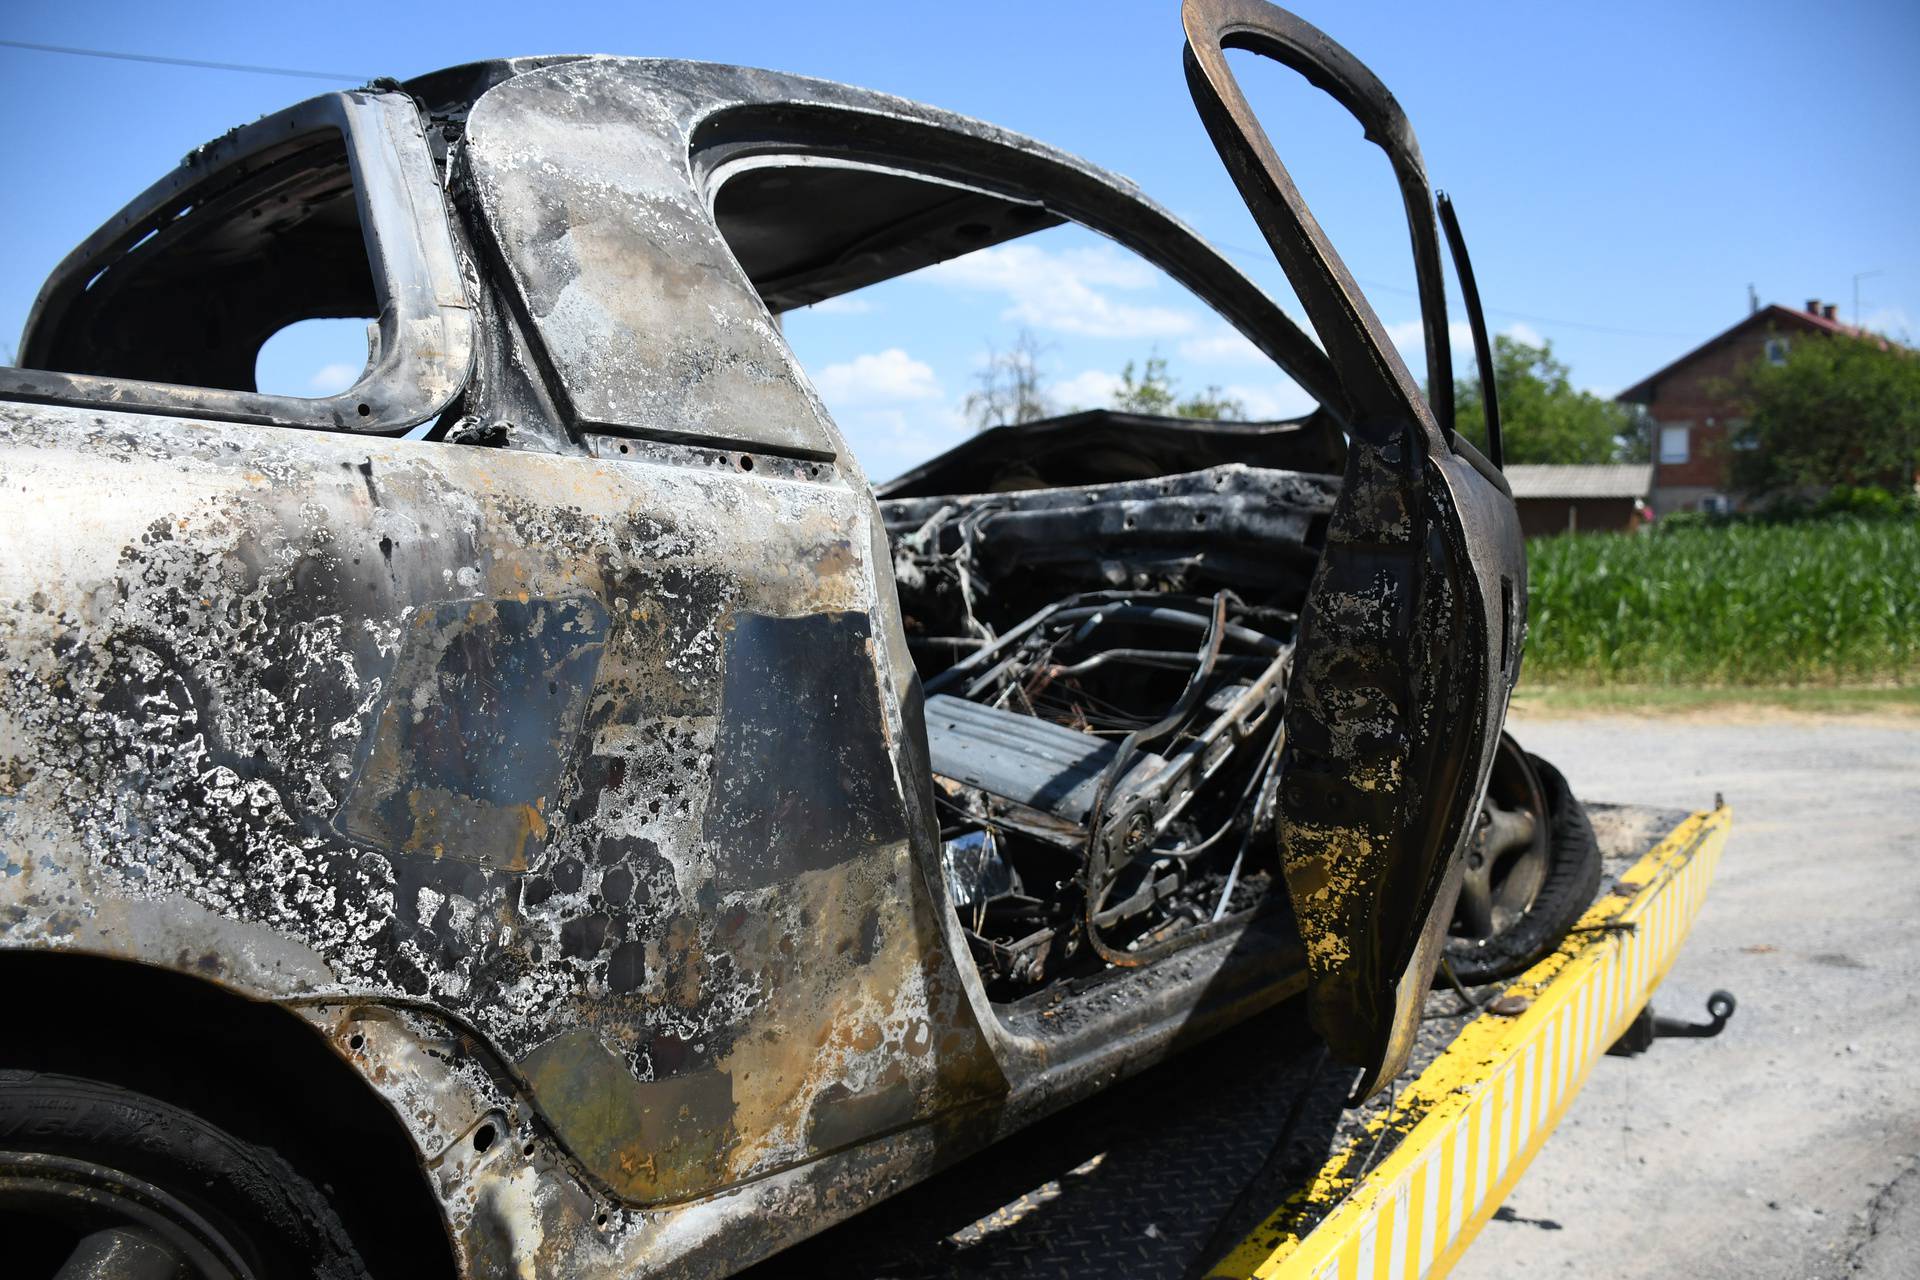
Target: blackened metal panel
column 801, row 780
column 426, row 348
column 1104, row 446
column 595, row 178
column 1408, row 645
column 291, row 708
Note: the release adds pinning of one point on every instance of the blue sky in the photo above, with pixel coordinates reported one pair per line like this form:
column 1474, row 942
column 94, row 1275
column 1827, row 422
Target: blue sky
column 1624, row 171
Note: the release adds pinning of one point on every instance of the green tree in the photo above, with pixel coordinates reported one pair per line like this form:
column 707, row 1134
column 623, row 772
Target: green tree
column 1008, row 387
column 1543, row 418
column 1152, row 391
column 1839, row 411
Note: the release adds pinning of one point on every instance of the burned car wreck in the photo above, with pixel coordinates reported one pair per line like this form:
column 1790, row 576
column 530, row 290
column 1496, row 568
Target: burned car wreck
column 635, row 841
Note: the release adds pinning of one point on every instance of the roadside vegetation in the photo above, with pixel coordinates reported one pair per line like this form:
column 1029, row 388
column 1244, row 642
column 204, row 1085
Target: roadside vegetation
column 1805, row 603
column 1544, row 417
column 1011, row 388
column 1836, row 411
column 1822, row 597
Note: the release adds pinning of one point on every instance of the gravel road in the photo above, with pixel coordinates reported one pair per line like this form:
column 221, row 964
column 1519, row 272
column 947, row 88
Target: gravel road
column 1790, row 1145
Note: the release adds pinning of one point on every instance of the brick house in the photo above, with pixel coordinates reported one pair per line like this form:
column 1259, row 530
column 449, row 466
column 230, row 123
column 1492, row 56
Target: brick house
column 1694, row 409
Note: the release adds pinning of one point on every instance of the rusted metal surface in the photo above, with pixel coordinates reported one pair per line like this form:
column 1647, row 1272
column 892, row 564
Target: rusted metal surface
column 467, row 754
column 564, row 762
column 254, row 726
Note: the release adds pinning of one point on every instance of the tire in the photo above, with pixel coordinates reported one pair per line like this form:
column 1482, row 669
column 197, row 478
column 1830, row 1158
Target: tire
column 1571, row 880
column 89, row 1169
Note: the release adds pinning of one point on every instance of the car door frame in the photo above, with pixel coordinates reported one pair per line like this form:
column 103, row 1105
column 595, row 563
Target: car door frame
column 1410, row 641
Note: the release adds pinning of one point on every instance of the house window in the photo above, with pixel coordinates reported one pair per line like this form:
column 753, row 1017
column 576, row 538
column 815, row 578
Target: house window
column 1673, row 444
column 1776, row 350
column 1742, row 436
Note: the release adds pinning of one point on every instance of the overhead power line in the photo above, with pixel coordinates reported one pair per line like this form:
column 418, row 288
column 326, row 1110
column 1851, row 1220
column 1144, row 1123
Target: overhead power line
column 350, row 77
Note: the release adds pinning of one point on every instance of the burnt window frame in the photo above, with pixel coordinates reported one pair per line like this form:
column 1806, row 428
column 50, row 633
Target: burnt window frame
column 990, row 162
column 423, row 313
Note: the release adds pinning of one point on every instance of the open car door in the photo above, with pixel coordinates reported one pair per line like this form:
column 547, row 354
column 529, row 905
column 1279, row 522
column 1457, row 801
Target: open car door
column 1409, row 645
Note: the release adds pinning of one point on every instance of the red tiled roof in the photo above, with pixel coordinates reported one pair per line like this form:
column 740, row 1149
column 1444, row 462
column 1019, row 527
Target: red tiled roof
column 1772, row 315
column 1831, row 326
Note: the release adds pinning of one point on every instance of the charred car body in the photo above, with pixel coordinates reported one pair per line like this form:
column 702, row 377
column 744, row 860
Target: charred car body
column 639, row 844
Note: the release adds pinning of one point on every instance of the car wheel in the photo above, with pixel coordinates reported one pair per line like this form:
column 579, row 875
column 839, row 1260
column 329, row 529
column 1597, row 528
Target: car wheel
column 1532, row 869
column 102, row 1182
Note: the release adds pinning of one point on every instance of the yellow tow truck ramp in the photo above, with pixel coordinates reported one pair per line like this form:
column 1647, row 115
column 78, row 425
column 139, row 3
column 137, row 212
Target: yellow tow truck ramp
column 1475, row 1117
column 1238, row 1157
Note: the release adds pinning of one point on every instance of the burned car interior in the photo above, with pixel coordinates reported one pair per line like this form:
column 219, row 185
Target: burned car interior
column 1104, row 664
column 1101, row 608
column 228, row 265
column 806, row 232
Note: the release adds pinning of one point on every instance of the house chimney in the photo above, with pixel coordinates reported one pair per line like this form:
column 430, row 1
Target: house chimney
column 1827, row 310
column 1813, row 306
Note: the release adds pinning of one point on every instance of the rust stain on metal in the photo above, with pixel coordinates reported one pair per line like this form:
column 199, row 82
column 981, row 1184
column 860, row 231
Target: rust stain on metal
column 482, row 708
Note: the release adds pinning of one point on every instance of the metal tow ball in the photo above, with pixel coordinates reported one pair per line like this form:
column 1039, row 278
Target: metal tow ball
column 1649, row 1026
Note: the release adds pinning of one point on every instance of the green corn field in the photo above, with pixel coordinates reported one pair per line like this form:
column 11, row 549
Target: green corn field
column 1828, row 603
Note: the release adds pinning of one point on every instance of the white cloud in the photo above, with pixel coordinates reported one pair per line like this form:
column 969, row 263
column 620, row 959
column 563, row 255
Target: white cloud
column 1521, row 331
column 333, row 378
column 888, row 441
column 1265, row 401
column 1092, row 389
column 847, row 304
column 1224, row 345
column 1410, row 336
column 891, row 409
column 1063, row 292
column 877, row 378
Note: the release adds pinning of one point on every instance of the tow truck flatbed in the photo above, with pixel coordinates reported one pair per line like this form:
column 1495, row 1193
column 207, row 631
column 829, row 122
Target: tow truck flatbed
column 1241, row 1153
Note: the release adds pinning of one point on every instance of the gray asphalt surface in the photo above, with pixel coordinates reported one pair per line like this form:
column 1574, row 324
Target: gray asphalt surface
column 1790, row 1144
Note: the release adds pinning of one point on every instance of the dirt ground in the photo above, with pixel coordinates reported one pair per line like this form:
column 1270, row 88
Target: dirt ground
column 1790, row 1145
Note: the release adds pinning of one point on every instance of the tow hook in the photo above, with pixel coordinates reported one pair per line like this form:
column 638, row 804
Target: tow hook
column 1649, row 1026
